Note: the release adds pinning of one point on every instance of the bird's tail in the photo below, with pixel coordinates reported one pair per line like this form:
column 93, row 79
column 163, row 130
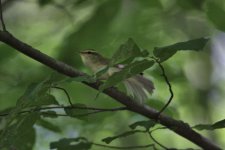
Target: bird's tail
column 138, row 87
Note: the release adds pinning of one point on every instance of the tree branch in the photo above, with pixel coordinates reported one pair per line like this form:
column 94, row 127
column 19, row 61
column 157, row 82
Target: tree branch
column 178, row 127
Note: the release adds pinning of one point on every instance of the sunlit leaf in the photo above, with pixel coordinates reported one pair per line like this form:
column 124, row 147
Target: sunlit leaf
column 126, row 53
column 166, row 52
column 146, row 124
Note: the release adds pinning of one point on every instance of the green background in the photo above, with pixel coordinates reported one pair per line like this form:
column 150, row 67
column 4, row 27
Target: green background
column 61, row 28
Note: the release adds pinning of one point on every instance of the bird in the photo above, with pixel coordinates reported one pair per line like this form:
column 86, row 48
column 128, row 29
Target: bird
column 137, row 86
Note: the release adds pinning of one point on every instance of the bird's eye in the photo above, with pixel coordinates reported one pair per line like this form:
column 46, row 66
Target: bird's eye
column 89, row 52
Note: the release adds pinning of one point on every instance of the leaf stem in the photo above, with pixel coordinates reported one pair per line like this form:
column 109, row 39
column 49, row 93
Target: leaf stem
column 67, row 94
column 167, row 82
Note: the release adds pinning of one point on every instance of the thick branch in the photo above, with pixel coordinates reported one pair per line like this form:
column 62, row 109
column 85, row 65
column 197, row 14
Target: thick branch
column 178, row 127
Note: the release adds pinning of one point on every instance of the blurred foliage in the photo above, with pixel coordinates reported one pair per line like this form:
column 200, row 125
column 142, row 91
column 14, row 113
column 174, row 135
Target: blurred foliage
column 62, row 28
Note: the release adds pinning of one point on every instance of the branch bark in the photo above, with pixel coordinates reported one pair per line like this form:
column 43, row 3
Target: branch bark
column 179, row 127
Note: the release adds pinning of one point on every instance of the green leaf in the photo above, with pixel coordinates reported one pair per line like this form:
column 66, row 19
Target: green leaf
column 48, row 125
column 215, row 13
column 166, row 52
column 75, row 112
column 217, row 125
column 203, row 127
column 46, row 99
column 128, row 133
column 20, row 133
column 33, row 93
column 138, row 67
column 126, row 53
column 127, row 72
column 71, row 144
column 146, row 124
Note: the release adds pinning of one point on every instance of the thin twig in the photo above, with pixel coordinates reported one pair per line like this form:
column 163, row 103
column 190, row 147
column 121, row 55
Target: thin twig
column 150, row 135
column 167, row 82
column 128, row 147
column 67, row 94
column 96, row 110
column 124, row 134
column 1, row 17
column 160, row 128
column 78, row 115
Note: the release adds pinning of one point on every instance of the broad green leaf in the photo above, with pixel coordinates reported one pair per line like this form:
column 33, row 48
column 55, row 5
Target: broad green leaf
column 126, row 53
column 71, row 144
column 138, row 67
column 166, row 52
column 215, row 13
column 20, row 134
column 46, row 99
column 48, row 125
column 33, row 93
column 114, row 79
column 127, row 72
column 203, row 127
column 146, row 124
column 128, row 133
column 75, row 112
column 217, row 125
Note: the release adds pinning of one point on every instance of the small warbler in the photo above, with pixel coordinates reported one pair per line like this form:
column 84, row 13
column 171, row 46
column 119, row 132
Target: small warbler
column 137, row 86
